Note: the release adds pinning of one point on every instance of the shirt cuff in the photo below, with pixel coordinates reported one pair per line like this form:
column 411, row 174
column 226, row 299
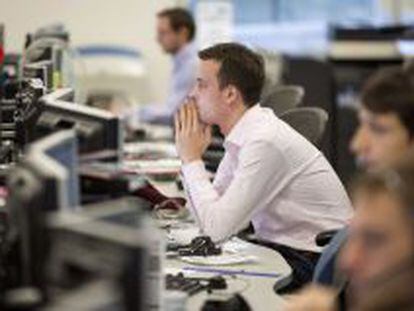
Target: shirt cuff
column 194, row 171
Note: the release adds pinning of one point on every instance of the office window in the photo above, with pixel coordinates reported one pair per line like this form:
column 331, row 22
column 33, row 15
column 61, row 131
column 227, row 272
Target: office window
column 332, row 11
column 407, row 11
column 301, row 26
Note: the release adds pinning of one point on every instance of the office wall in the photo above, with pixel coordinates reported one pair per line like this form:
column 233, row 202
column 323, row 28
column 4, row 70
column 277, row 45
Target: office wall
column 124, row 22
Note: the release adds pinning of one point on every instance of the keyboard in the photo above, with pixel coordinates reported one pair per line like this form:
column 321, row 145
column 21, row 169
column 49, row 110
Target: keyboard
column 193, row 285
column 179, row 282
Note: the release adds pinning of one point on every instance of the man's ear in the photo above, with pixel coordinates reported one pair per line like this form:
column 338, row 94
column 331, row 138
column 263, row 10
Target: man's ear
column 231, row 94
column 184, row 34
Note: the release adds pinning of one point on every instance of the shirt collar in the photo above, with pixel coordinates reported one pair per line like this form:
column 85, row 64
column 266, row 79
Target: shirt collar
column 184, row 53
column 237, row 135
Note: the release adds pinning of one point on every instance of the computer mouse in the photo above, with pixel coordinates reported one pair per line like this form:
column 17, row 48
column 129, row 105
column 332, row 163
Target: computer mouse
column 235, row 303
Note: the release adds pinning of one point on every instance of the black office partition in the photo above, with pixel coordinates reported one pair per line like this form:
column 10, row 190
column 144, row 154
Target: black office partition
column 316, row 77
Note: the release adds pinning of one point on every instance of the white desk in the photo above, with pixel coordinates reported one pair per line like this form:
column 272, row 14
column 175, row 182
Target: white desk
column 258, row 291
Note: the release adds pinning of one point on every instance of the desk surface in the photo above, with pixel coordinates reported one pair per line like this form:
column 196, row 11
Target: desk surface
column 258, row 291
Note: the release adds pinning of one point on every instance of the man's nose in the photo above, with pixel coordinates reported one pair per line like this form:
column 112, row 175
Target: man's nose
column 359, row 141
column 350, row 258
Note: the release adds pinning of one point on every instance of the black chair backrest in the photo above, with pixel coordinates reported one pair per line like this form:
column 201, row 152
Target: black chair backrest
column 283, row 98
column 310, row 122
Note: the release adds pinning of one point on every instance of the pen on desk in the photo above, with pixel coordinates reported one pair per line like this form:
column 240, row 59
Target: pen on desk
column 233, row 272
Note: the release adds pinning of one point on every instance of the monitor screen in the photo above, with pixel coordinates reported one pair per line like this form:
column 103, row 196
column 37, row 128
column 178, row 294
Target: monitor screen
column 63, row 148
column 65, row 94
column 42, row 70
column 66, row 153
column 98, row 131
column 87, row 251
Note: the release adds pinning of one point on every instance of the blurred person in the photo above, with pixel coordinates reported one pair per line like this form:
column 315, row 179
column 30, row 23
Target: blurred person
column 176, row 31
column 378, row 257
column 313, row 298
column 395, row 293
column 380, row 243
column 270, row 174
column 386, row 118
column 384, row 135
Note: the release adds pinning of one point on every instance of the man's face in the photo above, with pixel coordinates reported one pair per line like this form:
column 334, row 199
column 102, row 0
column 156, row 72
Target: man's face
column 380, row 140
column 380, row 240
column 167, row 37
column 210, row 99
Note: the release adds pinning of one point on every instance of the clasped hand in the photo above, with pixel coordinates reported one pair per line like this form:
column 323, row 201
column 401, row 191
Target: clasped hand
column 192, row 137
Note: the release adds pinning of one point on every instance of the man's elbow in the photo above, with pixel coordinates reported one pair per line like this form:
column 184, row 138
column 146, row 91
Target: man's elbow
column 218, row 232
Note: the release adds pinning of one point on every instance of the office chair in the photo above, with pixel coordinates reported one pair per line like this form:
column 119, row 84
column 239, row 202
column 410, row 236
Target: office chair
column 215, row 152
column 308, row 121
column 273, row 67
column 312, row 74
column 283, row 98
column 326, row 272
column 325, row 237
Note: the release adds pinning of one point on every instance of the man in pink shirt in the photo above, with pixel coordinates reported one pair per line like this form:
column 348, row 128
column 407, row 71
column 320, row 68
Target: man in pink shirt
column 270, row 175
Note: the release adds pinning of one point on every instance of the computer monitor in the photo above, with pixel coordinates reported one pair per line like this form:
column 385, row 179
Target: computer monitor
column 45, row 168
column 38, row 184
column 42, row 70
column 99, row 131
column 63, row 94
column 32, row 192
column 62, row 147
column 94, row 251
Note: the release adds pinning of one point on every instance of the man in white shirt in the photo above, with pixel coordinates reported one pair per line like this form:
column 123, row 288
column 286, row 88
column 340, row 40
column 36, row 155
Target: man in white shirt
column 175, row 33
column 270, row 174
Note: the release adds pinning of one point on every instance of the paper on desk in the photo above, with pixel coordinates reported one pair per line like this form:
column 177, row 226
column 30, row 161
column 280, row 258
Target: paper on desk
column 234, row 252
column 183, row 235
column 141, row 148
column 220, row 260
column 235, row 245
column 152, row 164
column 155, row 167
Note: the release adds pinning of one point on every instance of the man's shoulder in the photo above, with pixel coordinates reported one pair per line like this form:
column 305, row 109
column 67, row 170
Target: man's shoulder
column 266, row 128
column 275, row 135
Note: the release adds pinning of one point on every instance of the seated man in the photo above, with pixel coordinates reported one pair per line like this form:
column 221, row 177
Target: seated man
column 270, row 175
column 386, row 117
column 176, row 31
column 378, row 257
column 384, row 135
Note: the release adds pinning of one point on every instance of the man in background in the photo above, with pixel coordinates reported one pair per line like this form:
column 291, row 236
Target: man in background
column 175, row 34
column 378, row 257
column 384, row 137
column 386, row 119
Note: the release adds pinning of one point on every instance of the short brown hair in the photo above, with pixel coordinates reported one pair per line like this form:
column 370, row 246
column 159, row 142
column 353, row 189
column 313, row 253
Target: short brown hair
column 391, row 90
column 240, row 67
column 180, row 18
